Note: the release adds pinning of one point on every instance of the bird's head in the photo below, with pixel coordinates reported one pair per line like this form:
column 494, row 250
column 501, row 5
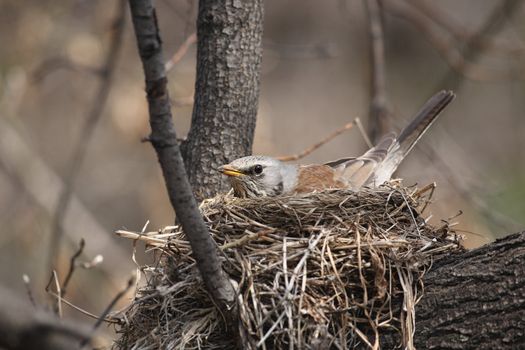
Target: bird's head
column 256, row 176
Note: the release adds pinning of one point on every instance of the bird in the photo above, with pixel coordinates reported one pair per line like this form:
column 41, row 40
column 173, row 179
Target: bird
column 260, row 176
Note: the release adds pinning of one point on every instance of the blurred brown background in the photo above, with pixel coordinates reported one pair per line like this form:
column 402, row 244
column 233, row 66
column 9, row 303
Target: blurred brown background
column 315, row 78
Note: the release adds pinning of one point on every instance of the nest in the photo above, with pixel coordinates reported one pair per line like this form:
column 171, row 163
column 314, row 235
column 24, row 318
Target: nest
column 328, row 270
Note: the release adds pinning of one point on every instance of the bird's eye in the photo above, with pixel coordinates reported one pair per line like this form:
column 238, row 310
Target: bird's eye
column 258, row 169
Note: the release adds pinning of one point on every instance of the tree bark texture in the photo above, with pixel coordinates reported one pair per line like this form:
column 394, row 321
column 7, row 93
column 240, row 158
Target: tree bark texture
column 474, row 300
column 164, row 140
column 229, row 56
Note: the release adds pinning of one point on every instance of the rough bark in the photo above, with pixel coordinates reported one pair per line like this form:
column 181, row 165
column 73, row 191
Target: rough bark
column 226, row 90
column 474, row 300
column 164, row 140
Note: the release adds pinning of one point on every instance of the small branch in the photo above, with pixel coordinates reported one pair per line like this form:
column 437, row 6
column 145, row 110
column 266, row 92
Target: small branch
column 181, row 51
column 59, row 293
column 164, row 140
column 87, row 313
column 27, row 171
column 94, row 115
column 245, row 239
column 493, row 23
column 108, row 309
column 312, row 148
column 72, row 265
column 27, row 283
column 465, row 192
column 462, row 34
column 363, row 133
column 379, row 113
column 460, row 62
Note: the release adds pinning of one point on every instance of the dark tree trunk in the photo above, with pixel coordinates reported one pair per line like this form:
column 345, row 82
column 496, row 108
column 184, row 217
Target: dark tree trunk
column 474, row 300
column 163, row 138
column 226, row 90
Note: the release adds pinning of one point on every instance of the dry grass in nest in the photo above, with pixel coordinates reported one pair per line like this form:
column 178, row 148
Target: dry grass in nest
column 334, row 269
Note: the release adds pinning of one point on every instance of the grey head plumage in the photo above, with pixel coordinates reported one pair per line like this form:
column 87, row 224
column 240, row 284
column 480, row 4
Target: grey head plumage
column 256, row 176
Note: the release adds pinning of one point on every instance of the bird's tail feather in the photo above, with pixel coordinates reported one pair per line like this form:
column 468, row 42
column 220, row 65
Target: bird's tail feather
column 423, row 120
column 410, row 135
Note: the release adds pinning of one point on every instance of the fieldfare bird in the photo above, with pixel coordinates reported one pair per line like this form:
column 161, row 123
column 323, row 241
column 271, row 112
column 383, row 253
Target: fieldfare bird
column 256, row 176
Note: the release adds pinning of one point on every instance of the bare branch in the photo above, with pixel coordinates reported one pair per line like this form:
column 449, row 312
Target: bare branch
column 378, row 124
column 462, row 34
column 363, row 133
column 28, row 172
column 494, row 22
column 454, row 179
column 164, row 140
column 107, row 319
column 94, row 115
column 315, row 146
column 27, row 283
column 181, row 51
column 108, row 309
column 72, row 266
column 461, row 62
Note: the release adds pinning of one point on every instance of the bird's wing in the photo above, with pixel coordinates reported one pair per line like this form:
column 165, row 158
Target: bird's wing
column 379, row 163
column 317, row 177
column 356, row 172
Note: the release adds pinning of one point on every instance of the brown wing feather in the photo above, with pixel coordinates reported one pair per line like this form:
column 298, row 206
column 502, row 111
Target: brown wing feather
column 317, row 177
column 357, row 172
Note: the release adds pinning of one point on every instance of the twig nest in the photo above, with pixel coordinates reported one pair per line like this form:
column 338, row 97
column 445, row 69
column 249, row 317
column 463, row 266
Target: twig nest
column 329, row 270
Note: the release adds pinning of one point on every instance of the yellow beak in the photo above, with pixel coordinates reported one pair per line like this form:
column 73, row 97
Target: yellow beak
column 228, row 170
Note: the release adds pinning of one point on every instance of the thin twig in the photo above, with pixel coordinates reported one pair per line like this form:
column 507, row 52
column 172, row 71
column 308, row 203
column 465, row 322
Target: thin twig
column 454, row 179
column 87, row 130
column 85, row 312
column 108, row 309
column 72, row 266
column 460, row 62
column 462, row 34
column 244, row 239
column 312, row 148
column 27, row 170
column 432, row 187
column 59, row 292
column 493, row 24
column 181, row 52
column 27, row 284
column 363, row 133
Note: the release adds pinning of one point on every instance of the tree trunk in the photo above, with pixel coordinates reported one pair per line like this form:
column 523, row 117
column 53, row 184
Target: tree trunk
column 474, row 300
column 163, row 138
column 226, row 90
